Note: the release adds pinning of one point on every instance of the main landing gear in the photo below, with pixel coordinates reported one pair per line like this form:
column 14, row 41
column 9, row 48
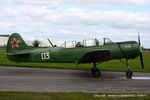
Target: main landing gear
column 95, row 71
column 128, row 72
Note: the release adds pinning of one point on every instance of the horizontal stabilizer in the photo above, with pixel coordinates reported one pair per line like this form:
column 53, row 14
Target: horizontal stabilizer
column 4, row 35
column 20, row 52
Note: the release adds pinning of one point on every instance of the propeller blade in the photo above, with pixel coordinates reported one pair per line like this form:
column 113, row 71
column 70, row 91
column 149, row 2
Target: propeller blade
column 139, row 40
column 141, row 56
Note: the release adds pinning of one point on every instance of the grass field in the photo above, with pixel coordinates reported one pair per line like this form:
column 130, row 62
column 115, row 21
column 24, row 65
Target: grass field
column 2, row 48
column 113, row 65
column 71, row 96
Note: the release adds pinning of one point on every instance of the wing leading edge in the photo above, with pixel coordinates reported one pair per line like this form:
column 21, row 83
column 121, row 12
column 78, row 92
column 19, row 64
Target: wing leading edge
column 95, row 56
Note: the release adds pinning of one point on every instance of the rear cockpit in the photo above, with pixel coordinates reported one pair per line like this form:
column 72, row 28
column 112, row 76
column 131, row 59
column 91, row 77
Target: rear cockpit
column 83, row 43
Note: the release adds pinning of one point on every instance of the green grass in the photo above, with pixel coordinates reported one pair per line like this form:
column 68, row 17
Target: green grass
column 71, row 96
column 113, row 65
column 3, row 48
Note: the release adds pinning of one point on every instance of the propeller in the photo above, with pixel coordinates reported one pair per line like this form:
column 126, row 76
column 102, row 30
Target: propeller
column 141, row 56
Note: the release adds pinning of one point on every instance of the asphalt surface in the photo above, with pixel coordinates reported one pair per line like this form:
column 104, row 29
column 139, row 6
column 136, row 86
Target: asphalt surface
column 2, row 50
column 66, row 80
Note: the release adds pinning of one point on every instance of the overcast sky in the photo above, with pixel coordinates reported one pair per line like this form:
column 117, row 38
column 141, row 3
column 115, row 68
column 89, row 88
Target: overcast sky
column 67, row 20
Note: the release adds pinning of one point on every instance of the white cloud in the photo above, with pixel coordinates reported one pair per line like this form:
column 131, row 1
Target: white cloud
column 92, row 3
column 41, row 2
column 108, row 2
column 36, row 22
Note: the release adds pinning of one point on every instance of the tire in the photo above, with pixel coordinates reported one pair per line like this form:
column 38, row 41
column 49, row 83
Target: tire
column 129, row 74
column 95, row 72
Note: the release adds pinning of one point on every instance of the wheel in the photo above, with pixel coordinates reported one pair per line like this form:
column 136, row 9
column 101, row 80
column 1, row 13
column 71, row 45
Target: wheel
column 95, row 72
column 129, row 74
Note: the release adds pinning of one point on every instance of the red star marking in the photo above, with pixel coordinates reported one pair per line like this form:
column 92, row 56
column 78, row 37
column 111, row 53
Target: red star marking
column 15, row 43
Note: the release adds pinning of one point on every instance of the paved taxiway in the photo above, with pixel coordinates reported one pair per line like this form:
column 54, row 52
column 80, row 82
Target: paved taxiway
column 2, row 50
column 66, row 80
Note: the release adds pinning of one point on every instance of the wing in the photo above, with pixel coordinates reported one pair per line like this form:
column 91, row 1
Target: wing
column 95, row 56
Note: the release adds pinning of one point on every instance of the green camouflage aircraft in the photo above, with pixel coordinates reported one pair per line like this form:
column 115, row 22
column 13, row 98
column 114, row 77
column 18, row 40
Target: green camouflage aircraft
column 19, row 51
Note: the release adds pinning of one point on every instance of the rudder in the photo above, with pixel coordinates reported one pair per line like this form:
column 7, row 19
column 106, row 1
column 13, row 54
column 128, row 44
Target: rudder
column 16, row 43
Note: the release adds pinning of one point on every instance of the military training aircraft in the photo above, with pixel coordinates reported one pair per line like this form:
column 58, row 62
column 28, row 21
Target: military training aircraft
column 18, row 51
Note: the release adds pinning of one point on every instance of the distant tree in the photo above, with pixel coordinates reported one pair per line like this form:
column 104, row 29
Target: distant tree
column 146, row 49
column 36, row 43
column 3, row 46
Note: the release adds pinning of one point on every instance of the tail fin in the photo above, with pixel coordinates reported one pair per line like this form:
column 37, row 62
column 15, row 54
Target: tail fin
column 16, row 43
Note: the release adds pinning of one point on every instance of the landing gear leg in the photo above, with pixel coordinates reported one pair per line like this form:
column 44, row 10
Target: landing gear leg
column 128, row 72
column 95, row 71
